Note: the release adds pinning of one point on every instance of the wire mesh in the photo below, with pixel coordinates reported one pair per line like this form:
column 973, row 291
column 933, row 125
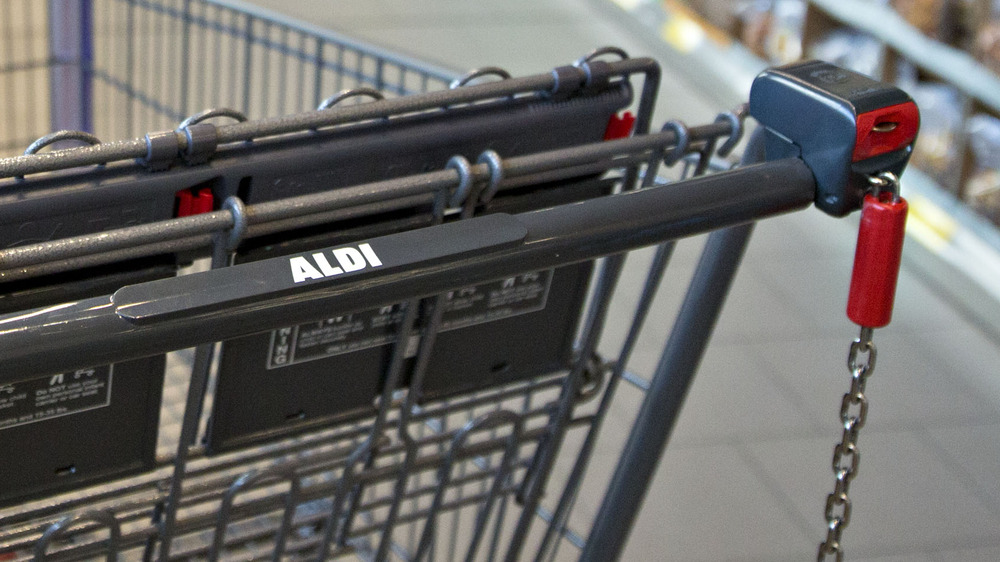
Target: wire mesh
column 461, row 477
column 149, row 64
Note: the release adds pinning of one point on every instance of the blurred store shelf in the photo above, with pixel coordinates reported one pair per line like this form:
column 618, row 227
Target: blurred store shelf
column 956, row 250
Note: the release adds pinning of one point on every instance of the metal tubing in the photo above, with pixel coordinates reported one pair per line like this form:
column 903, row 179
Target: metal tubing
column 156, row 238
column 538, row 475
column 197, row 385
column 679, row 361
column 71, row 49
column 91, row 332
column 575, row 480
column 660, row 409
column 310, row 120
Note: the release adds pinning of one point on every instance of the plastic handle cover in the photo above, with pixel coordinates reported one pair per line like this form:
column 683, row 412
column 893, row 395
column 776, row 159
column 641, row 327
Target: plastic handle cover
column 876, row 261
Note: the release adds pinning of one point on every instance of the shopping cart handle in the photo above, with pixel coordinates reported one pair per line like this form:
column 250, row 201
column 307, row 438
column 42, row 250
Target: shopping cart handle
column 187, row 296
column 201, row 307
column 844, row 125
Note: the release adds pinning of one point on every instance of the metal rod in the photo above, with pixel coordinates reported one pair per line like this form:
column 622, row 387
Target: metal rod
column 673, row 376
column 94, row 331
column 249, row 130
column 189, row 426
column 662, row 404
column 549, row 448
column 306, row 210
column 575, row 480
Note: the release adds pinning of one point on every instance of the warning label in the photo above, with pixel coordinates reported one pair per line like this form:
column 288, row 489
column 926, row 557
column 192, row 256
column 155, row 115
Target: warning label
column 468, row 306
column 54, row 395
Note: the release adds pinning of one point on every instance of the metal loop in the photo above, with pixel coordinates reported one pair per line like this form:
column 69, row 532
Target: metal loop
column 235, row 207
column 858, row 380
column 681, row 143
column 827, row 549
column 593, row 379
column 885, row 181
column 102, row 517
column 735, row 121
column 833, row 501
column 599, row 52
column 850, row 435
column 495, row 164
column 57, row 136
column 461, row 165
column 352, row 93
column 209, row 114
column 855, row 422
column 478, row 73
column 490, row 420
column 276, row 474
column 858, row 346
column 839, row 452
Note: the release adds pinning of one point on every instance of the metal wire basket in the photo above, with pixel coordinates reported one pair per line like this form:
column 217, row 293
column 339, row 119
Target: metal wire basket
column 475, row 471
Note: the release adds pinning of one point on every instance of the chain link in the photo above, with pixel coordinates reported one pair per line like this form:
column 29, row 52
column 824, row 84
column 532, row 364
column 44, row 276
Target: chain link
column 846, row 457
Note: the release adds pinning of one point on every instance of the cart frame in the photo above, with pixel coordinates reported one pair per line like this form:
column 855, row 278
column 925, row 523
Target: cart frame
column 358, row 487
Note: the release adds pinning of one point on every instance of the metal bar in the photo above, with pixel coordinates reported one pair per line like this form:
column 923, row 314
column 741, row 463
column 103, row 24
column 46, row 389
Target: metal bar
column 593, row 327
column 555, row 164
column 129, row 62
column 545, row 458
column 71, row 48
column 189, row 426
column 498, row 484
column 661, row 406
column 679, row 361
column 575, row 479
column 247, row 62
column 441, row 74
column 185, row 55
column 8, row 124
column 249, row 130
column 94, row 331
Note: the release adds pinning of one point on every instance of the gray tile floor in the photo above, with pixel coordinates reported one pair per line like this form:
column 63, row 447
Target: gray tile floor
column 748, row 469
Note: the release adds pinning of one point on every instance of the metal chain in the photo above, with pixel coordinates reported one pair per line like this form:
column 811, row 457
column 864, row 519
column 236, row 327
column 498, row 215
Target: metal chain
column 846, row 457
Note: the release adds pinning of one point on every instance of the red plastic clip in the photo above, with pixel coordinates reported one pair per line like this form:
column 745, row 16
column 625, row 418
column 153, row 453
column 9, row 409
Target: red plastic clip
column 877, row 259
column 885, row 130
column 190, row 202
column 619, row 127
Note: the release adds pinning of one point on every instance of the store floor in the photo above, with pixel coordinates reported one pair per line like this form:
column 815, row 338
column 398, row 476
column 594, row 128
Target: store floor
column 748, row 469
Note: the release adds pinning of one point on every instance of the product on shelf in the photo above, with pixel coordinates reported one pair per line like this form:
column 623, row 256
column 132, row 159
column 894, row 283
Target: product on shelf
column 850, row 49
column 937, row 148
column 983, row 188
column 772, row 30
column 925, row 15
column 987, row 45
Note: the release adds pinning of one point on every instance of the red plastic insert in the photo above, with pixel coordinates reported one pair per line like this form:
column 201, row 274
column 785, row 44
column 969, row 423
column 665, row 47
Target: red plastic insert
column 885, row 130
column 191, row 202
column 619, row 127
column 876, row 261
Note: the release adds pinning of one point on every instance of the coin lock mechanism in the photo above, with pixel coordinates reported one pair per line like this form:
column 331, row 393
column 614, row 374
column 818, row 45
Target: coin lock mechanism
column 856, row 135
column 845, row 126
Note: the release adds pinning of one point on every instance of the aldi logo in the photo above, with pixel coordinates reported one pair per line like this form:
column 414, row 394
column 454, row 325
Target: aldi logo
column 321, row 264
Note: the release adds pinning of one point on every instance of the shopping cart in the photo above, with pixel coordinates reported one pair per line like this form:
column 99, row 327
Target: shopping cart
column 477, row 451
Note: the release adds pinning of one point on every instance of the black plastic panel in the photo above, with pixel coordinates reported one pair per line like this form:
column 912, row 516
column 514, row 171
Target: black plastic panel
column 60, row 431
column 315, row 374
